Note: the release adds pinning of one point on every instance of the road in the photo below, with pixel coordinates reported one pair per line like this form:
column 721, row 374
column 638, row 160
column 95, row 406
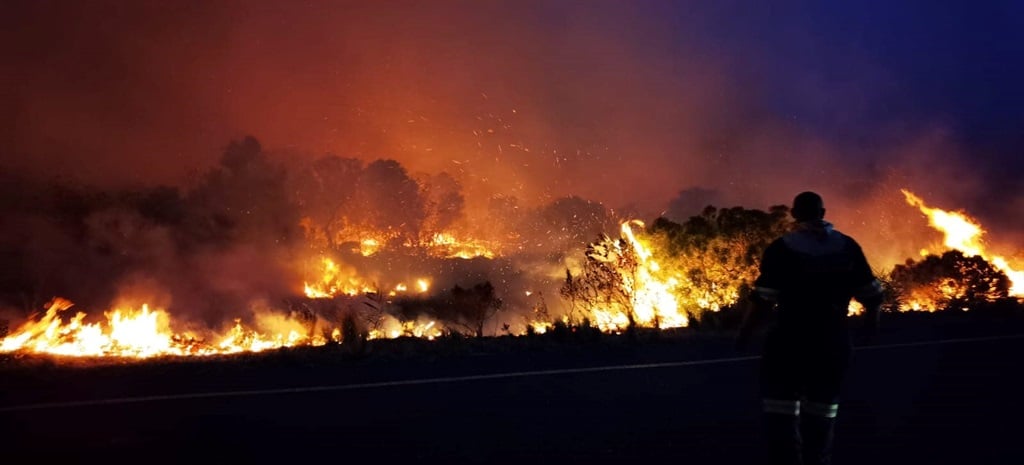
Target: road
column 932, row 402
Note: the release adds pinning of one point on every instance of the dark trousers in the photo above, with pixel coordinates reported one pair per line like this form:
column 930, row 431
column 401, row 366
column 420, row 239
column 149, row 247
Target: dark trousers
column 801, row 377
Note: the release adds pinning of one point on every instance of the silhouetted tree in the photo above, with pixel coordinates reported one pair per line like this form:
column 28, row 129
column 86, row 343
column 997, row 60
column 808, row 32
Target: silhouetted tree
column 465, row 308
column 443, row 201
column 245, row 197
column 388, row 200
column 325, row 191
column 948, row 281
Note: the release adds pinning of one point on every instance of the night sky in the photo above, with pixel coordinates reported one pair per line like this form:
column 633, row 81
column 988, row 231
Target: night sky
column 645, row 106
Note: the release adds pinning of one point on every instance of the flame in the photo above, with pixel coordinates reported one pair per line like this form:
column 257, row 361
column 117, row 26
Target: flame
column 927, row 298
column 963, row 233
column 445, row 244
column 333, row 281
column 392, row 328
column 659, row 287
column 368, row 247
column 144, row 333
column 541, row 327
column 140, row 333
column 654, row 301
column 127, row 332
column 651, row 292
column 240, row 339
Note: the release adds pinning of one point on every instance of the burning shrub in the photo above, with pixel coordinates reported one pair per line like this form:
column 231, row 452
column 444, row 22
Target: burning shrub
column 718, row 252
column 950, row 281
column 604, row 285
column 466, row 308
column 622, row 285
column 674, row 272
column 721, row 248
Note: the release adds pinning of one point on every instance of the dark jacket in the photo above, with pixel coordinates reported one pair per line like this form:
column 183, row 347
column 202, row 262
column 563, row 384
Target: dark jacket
column 811, row 274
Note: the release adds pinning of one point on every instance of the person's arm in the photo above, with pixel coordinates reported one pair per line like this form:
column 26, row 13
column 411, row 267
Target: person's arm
column 765, row 296
column 867, row 291
column 754, row 317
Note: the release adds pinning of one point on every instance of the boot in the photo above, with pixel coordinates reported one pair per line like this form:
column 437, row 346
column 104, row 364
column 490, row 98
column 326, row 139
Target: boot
column 817, row 432
column 783, row 436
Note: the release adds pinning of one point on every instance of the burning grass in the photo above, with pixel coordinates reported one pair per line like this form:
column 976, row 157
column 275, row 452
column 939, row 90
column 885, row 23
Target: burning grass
column 659, row 278
column 709, row 340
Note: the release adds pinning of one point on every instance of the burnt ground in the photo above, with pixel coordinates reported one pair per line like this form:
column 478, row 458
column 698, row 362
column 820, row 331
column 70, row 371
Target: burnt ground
column 935, row 403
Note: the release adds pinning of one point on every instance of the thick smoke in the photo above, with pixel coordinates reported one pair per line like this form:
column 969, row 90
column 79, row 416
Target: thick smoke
column 206, row 251
column 623, row 104
column 247, row 233
column 535, row 125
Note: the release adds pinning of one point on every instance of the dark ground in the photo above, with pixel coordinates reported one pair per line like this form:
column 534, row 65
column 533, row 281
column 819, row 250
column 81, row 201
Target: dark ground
column 941, row 403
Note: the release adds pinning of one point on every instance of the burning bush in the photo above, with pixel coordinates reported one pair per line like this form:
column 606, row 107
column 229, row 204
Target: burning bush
column 950, row 281
column 668, row 275
column 605, row 286
column 718, row 252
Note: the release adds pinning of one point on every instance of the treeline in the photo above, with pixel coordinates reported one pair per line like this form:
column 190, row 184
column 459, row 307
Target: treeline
column 237, row 231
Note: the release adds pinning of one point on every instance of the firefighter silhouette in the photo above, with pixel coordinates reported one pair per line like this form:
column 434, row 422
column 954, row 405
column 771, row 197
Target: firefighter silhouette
column 807, row 279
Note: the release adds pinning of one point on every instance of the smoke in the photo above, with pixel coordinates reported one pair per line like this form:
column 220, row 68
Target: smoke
column 244, row 236
column 534, row 125
column 205, row 252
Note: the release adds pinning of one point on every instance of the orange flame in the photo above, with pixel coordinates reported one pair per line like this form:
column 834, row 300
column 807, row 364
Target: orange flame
column 447, row 245
column 963, row 233
column 130, row 333
column 654, row 299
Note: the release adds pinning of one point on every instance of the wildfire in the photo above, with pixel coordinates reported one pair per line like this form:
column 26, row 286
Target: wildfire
column 924, row 298
column 392, row 328
column 626, row 285
column 963, row 233
column 333, row 280
column 369, row 246
column 448, row 246
column 144, row 333
column 137, row 333
column 654, row 300
column 640, row 278
column 240, row 339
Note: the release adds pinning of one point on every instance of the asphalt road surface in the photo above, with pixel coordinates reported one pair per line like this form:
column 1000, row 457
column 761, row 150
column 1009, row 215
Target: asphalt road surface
column 925, row 402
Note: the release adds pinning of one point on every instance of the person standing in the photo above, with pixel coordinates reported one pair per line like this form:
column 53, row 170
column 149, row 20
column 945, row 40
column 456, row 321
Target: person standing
column 807, row 278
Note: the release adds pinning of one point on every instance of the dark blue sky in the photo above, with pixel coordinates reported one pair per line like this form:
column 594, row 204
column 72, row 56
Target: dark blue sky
column 959, row 63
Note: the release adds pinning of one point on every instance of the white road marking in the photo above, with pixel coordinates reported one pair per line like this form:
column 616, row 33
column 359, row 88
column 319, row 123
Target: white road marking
column 452, row 379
